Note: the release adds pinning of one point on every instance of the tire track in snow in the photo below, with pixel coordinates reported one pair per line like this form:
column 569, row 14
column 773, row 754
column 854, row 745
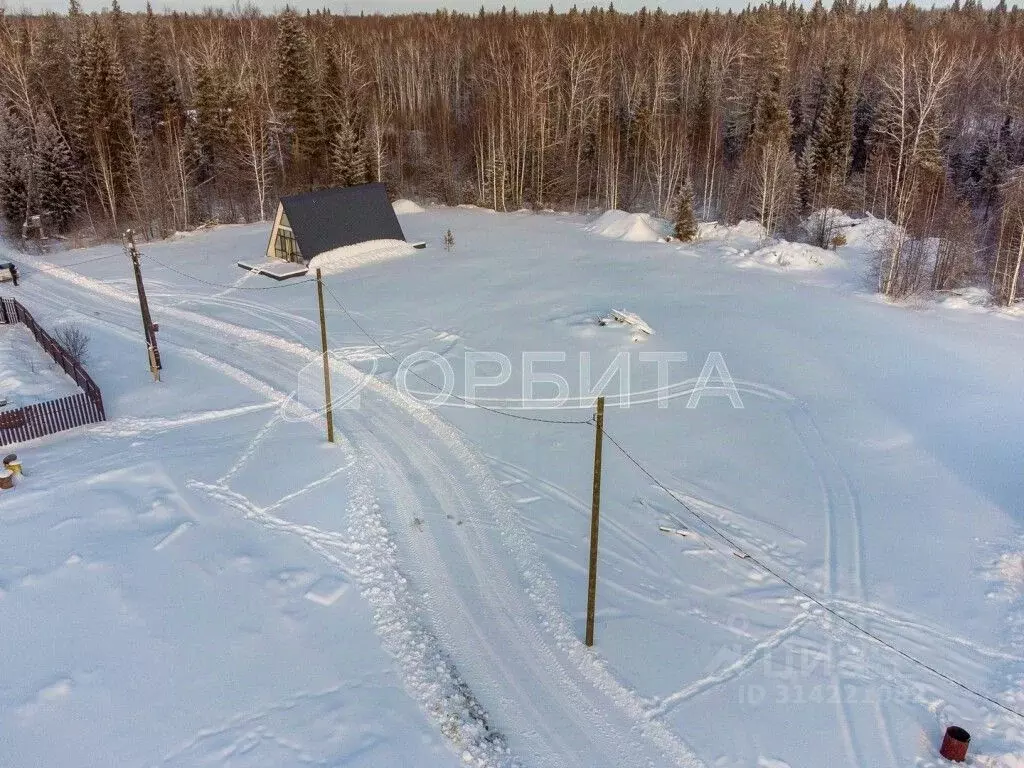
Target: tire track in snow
column 844, row 555
column 583, row 688
column 492, row 631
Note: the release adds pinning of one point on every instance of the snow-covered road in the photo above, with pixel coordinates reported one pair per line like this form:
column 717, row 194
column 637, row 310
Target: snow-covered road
column 532, row 695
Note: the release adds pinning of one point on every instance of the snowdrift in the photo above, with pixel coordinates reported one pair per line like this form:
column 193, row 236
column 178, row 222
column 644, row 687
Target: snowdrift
column 713, row 230
column 360, row 255
column 631, row 227
column 406, row 206
column 791, row 256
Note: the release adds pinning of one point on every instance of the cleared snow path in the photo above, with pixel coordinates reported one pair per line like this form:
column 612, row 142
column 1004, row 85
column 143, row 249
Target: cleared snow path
column 490, row 628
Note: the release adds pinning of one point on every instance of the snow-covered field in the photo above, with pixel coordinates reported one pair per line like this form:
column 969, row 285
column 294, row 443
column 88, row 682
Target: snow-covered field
column 27, row 374
column 203, row 580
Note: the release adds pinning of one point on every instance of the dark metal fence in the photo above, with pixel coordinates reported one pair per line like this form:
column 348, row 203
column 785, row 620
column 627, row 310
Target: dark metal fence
column 55, row 415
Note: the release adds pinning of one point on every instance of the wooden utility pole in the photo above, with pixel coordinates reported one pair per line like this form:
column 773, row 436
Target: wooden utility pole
column 327, row 364
column 595, row 515
column 148, row 327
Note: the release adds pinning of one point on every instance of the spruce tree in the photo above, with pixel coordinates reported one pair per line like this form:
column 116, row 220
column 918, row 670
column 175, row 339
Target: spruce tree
column 160, row 102
column 347, row 154
column 15, row 168
column 993, row 173
column 57, row 180
column 294, row 94
column 105, row 119
column 830, row 148
column 686, row 219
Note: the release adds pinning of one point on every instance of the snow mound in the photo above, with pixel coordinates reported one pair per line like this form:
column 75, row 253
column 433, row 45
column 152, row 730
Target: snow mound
column 792, row 257
column 631, row 227
column 360, row 255
column 971, row 298
column 745, row 230
column 406, row 206
column 864, row 230
column 833, row 217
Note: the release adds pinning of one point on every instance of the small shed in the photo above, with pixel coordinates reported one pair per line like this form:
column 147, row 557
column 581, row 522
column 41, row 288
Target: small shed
column 312, row 223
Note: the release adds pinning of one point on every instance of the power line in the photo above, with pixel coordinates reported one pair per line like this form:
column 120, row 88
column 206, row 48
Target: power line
column 805, row 593
column 48, row 267
column 432, row 385
column 222, row 285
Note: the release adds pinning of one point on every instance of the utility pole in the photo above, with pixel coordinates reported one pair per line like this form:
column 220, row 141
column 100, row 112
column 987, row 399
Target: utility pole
column 595, row 515
column 149, row 328
column 327, row 365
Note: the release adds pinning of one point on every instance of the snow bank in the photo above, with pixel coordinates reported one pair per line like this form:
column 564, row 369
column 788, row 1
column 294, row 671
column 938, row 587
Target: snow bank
column 406, row 206
column 865, row 230
column 976, row 299
column 791, row 256
column 360, row 255
column 632, row 227
column 746, row 230
column 27, row 374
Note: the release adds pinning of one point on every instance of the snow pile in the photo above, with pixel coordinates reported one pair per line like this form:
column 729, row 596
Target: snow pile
column 863, row 230
column 360, row 255
column 833, row 218
column 406, row 206
column 27, row 374
column 784, row 255
column 745, row 230
column 868, row 231
column 631, row 227
column 971, row 298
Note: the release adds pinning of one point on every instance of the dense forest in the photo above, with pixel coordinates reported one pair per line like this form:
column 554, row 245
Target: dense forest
column 164, row 122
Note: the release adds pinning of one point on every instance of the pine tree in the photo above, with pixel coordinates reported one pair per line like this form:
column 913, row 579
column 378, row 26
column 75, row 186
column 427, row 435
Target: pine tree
column 686, row 220
column 449, row 241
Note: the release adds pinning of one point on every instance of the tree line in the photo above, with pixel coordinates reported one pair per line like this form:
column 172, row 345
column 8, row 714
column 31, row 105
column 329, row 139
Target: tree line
column 164, row 121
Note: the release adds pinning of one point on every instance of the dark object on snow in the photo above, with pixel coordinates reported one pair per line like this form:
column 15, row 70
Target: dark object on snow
column 12, row 270
column 312, row 223
column 954, row 744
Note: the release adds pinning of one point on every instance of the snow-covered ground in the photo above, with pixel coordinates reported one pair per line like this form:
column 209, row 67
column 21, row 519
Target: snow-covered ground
column 27, row 374
column 202, row 580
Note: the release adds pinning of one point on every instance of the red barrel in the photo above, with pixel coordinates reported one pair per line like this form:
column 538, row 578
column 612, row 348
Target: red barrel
column 954, row 744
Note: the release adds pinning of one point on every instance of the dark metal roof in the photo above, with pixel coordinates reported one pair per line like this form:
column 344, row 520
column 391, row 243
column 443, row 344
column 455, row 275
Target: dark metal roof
column 332, row 218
